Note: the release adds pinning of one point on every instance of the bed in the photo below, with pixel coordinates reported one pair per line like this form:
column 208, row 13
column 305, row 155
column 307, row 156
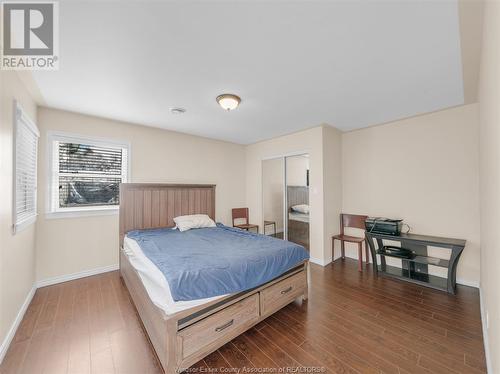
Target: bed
column 184, row 331
column 298, row 222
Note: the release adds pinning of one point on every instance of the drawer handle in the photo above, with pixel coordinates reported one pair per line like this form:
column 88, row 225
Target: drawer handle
column 287, row 290
column 224, row 326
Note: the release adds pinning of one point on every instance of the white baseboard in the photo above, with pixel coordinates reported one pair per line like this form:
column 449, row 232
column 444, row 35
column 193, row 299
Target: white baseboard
column 13, row 328
column 81, row 274
column 465, row 282
column 319, row 261
column 489, row 368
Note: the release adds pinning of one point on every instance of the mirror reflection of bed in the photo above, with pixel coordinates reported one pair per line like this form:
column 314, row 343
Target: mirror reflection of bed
column 298, row 215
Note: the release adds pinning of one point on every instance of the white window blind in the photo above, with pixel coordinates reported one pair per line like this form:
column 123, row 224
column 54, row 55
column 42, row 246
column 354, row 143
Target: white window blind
column 86, row 173
column 25, row 169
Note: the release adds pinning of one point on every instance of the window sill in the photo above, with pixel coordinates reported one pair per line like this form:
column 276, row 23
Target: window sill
column 20, row 226
column 76, row 213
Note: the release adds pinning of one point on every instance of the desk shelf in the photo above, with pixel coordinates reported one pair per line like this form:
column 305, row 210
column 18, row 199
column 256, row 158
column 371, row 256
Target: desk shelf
column 427, row 260
column 426, row 280
column 416, row 269
column 434, row 261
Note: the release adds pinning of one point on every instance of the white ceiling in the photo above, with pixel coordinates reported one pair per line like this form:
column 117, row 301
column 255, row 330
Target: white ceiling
column 295, row 64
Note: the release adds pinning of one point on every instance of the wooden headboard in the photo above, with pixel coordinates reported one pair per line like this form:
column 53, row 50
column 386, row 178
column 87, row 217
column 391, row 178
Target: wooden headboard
column 151, row 205
column 297, row 195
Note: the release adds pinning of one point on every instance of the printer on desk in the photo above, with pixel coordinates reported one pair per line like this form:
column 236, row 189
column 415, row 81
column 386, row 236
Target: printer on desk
column 385, row 226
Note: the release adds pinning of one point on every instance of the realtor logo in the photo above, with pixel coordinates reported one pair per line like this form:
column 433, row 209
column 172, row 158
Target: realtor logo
column 30, row 36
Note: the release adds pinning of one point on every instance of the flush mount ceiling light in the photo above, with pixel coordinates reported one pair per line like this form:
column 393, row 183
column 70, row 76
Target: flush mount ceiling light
column 228, row 101
column 177, row 110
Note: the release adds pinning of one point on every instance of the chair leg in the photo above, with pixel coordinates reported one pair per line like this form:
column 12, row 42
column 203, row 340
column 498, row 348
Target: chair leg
column 342, row 250
column 360, row 257
column 333, row 250
column 367, row 253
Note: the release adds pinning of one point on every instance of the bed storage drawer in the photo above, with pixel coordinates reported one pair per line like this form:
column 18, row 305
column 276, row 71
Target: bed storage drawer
column 219, row 327
column 282, row 293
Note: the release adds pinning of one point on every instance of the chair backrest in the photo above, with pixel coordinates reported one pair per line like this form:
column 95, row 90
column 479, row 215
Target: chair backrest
column 352, row 220
column 239, row 213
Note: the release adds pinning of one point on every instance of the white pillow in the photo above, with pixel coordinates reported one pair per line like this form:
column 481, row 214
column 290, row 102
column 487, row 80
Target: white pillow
column 194, row 221
column 301, row 208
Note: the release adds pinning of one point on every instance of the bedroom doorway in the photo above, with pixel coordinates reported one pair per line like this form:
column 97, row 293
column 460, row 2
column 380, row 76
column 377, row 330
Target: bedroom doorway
column 285, row 198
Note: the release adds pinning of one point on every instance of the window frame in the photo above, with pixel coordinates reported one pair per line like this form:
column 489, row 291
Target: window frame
column 21, row 118
column 53, row 210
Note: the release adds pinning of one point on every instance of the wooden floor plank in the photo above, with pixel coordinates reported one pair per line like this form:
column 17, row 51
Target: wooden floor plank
column 352, row 323
column 253, row 352
column 271, row 350
column 14, row 359
column 392, row 317
column 216, row 360
column 395, row 354
column 235, row 357
column 305, row 359
column 313, row 340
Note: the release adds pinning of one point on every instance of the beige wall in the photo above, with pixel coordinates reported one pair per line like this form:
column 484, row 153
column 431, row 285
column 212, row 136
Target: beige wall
column 71, row 245
column 423, row 169
column 332, row 179
column 17, row 252
column 489, row 116
column 470, row 17
column 273, row 193
column 296, row 170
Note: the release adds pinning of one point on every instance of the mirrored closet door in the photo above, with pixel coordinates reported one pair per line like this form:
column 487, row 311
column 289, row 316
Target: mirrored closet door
column 285, row 198
column 273, row 196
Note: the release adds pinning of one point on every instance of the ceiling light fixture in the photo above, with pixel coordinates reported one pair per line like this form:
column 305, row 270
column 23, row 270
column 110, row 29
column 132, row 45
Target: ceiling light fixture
column 177, row 110
column 228, row 101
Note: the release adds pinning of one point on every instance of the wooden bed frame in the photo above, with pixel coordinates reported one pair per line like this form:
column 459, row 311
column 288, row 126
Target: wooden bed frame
column 183, row 338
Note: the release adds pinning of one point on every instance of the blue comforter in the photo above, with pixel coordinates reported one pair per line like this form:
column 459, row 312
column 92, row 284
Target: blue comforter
column 207, row 262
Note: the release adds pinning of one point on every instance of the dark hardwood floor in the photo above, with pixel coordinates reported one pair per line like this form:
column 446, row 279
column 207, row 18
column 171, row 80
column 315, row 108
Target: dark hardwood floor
column 352, row 323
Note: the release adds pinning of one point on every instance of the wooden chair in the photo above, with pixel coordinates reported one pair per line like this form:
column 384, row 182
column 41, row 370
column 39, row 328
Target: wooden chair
column 270, row 223
column 354, row 221
column 242, row 213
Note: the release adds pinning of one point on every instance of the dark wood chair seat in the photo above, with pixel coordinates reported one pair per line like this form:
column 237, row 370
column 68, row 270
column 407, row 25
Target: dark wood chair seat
column 270, row 223
column 242, row 213
column 246, row 226
column 350, row 239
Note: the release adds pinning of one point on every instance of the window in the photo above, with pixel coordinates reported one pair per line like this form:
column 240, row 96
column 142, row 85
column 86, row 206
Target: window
column 25, row 163
column 86, row 174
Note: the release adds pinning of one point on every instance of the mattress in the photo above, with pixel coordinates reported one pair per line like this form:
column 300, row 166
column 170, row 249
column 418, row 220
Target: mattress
column 296, row 216
column 211, row 261
column 155, row 282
